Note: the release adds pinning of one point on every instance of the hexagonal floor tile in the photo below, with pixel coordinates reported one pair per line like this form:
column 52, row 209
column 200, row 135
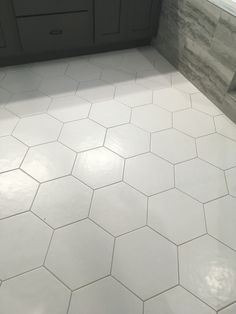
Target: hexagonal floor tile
column 33, row 291
column 17, row 191
column 58, row 86
column 82, row 70
column 176, row 301
column 26, row 246
column 200, row 180
column 208, row 270
column 176, row 216
column 96, row 91
column 173, row 146
column 153, row 79
column 151, row 118
column 202, row 103
column 7, row 122
column 4, row 96
column 58, row 208
column 69, row 108
column 115, row 76
column 217, row 150
column 119, row 208
column 105, row 296
column 99, row 167
column 50, row 68
column 133, row 61
column 133, row 95
column 110, row 113
column 80, row 254
column 12, row 153
column 193, row 122
column 171, row 99
column 82, row 135
column 225, row 127
column 221, row 217
column 127, row 140
column 231, row 181
column 181, row 83
column 145, row 262
column 20, row 79
column 28, row 103
column 149, row 174
column 229, row 310
column 48, row 161
column 37, row 130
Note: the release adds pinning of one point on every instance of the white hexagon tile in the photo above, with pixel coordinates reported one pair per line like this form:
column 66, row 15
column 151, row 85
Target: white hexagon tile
column 117, row 189
column 145, row 262
column 127, row 140
column 110, row 113
column 80, row 254
column 48, row 161
column 82, row 135
column 26, row 246
column 69, row 108
column 28, row 103
column 208, row 270
column 17, row 191
column 58, row 208
column 98, row 167
column 119, row 208
column 29, row 130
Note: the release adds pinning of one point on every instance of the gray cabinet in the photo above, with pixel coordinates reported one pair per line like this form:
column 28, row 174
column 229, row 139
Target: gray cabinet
column 56, row 32
column 125, row 20
column 37, row 7
column 143, row 18
column 111, row 20
column 2, row 39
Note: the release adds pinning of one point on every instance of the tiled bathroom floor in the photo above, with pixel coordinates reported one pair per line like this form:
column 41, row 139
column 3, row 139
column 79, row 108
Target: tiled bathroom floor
column 117, row 190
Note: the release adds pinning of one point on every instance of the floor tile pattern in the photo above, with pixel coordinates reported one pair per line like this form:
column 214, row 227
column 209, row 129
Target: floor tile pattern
column 117, row 190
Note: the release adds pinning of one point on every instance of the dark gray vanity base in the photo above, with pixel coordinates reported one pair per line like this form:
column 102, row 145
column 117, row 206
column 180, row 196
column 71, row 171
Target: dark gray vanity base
column 200, row 40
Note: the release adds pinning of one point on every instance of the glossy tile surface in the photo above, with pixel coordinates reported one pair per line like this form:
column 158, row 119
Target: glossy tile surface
column 12, row 153
column 30, row 131
column 26, row 246
column 200, row 180
column 105, row 296
column 119, row 208
column 151, row 118
column 149, row 174
column 176, row 215
column 208, row 270
column 176, row 301
column 75, row 254
column 117, row 189
column 82, row 135
column 144, row 271
column 58, row 208
column 99, row 167
column 48, row 161
column 17, row 191
column 35, row 291
column 127, row 140
column 69, row 108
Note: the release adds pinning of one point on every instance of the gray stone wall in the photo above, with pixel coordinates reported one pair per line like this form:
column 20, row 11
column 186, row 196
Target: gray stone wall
column 200, row 40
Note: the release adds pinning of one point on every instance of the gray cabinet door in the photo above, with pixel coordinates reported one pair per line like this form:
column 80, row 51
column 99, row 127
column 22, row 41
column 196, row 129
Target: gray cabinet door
column 2, row 39
column 143, row 18
column 111, row 20
column 9, row 40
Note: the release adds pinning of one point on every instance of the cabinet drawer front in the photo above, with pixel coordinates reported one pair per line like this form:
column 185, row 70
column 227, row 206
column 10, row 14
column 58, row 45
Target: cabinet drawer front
column 36, row 7
column 56, row 32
